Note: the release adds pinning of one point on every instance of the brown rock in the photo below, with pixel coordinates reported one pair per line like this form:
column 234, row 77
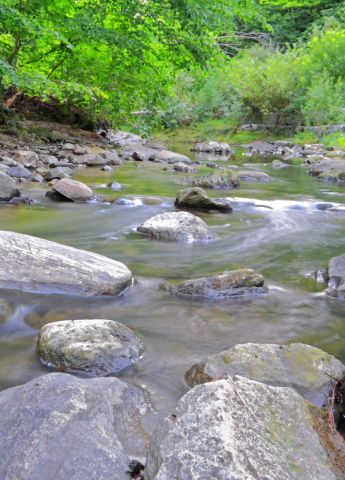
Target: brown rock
column 74, row 190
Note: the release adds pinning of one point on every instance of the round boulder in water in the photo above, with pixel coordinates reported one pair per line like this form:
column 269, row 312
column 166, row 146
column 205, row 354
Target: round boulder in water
column 97, row 347
column 74, row 190
column 177, row 226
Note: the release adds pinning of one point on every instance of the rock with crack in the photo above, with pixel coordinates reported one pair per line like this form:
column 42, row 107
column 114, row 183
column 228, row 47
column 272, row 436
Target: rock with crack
column 238, row 429
column 227, row 284
column 37, row 265
column 96, row 347
column 217, row 179
column 8, row 189
column 252, row 176
column 58, row 172
column 299, row 366
column 177, row 226
column 60, row 427
column 197, row 199
column 74, row 190
column 182, row 167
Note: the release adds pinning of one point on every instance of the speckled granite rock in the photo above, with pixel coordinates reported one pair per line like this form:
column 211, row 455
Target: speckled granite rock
column 97, row 347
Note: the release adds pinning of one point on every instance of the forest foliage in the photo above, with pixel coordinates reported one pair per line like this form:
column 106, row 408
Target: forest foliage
column 178, row 59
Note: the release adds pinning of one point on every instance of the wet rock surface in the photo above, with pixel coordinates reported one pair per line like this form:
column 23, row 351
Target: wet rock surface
column 335, row 277
column 182, row 167
column 299, row 366
column 60, row 427
column 326, row 165
column 74, row 190
column 170, row 157
column 212, row 147
column 238, row 429
column 97, row 347
column 37, row 265
column 217, row 179
column 197, row 199
column 250, row 176
column 227, row 284
column 332, row 176
column 177, row 226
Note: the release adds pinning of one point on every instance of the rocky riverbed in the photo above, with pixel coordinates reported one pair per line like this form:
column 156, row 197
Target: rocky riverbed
column 179, row 326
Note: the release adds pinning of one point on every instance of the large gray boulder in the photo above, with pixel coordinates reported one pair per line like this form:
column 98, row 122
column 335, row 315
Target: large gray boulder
column 217, row 179
column 58, row 172
column 93, row 160
column 8, row 189
column 299, row 366
column 239, row 429
column 197, row 199
column 177, row 226
column 112, row 158
column 59, row 427
column 97, row 347
column 227, row 284
column 170, row 157
column 26, row 156
column 19, row 172
column 74, row 190
column 325, row 165
column 335, row 277
column 36, row 265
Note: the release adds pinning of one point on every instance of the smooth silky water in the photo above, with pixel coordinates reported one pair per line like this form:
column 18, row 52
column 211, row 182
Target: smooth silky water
column 277, row 228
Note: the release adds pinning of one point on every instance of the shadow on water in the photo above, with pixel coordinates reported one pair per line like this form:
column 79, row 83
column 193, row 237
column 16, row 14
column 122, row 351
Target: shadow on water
column 285, row 229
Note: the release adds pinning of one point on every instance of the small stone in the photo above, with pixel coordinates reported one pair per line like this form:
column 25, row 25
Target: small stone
column 181, row 167
column 107, row 169
column 114, row 185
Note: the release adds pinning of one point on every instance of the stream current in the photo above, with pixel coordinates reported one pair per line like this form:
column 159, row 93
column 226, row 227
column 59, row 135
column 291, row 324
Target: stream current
column 285, row 229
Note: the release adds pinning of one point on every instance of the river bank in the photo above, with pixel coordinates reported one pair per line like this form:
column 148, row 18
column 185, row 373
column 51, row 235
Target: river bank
column 276, row 227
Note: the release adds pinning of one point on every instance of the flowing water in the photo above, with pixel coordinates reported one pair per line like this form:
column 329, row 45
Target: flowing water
column 282, row 229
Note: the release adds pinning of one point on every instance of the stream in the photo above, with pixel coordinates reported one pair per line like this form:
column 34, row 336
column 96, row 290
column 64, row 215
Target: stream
column 281, row 228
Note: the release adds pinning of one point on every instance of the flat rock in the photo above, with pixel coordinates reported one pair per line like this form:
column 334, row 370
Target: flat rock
column 250, row 176
column 19, row 172
column 59, row 427
column 37, row 265
column 217, row 179
column 238, row 429
column 156, row 146
column 58, row 172
column 93, row 160
column 335, row 154
column 97, row 347
column 8, row 189
column 177, row 226
column 74, row 190
column 326, row 165
column 227, row 284
column 170, row 157
column 197, row 199
column 299, row 366
column 26, row 156
column 182, row 167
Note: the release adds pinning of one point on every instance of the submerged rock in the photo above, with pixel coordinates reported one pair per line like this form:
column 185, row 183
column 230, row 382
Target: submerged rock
column 177, row 226
column 59, row 427
column 197, row 199
column 97, row 347
column 326, row 165
column 238, row 429
column 251, row 176
column 279, row 164
column 217, row 179
column 335, row 277
column 74, row 190
column 182, row 167
column 37, row 265
column 227, row 284
column 8, row 189
column 299, row 366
